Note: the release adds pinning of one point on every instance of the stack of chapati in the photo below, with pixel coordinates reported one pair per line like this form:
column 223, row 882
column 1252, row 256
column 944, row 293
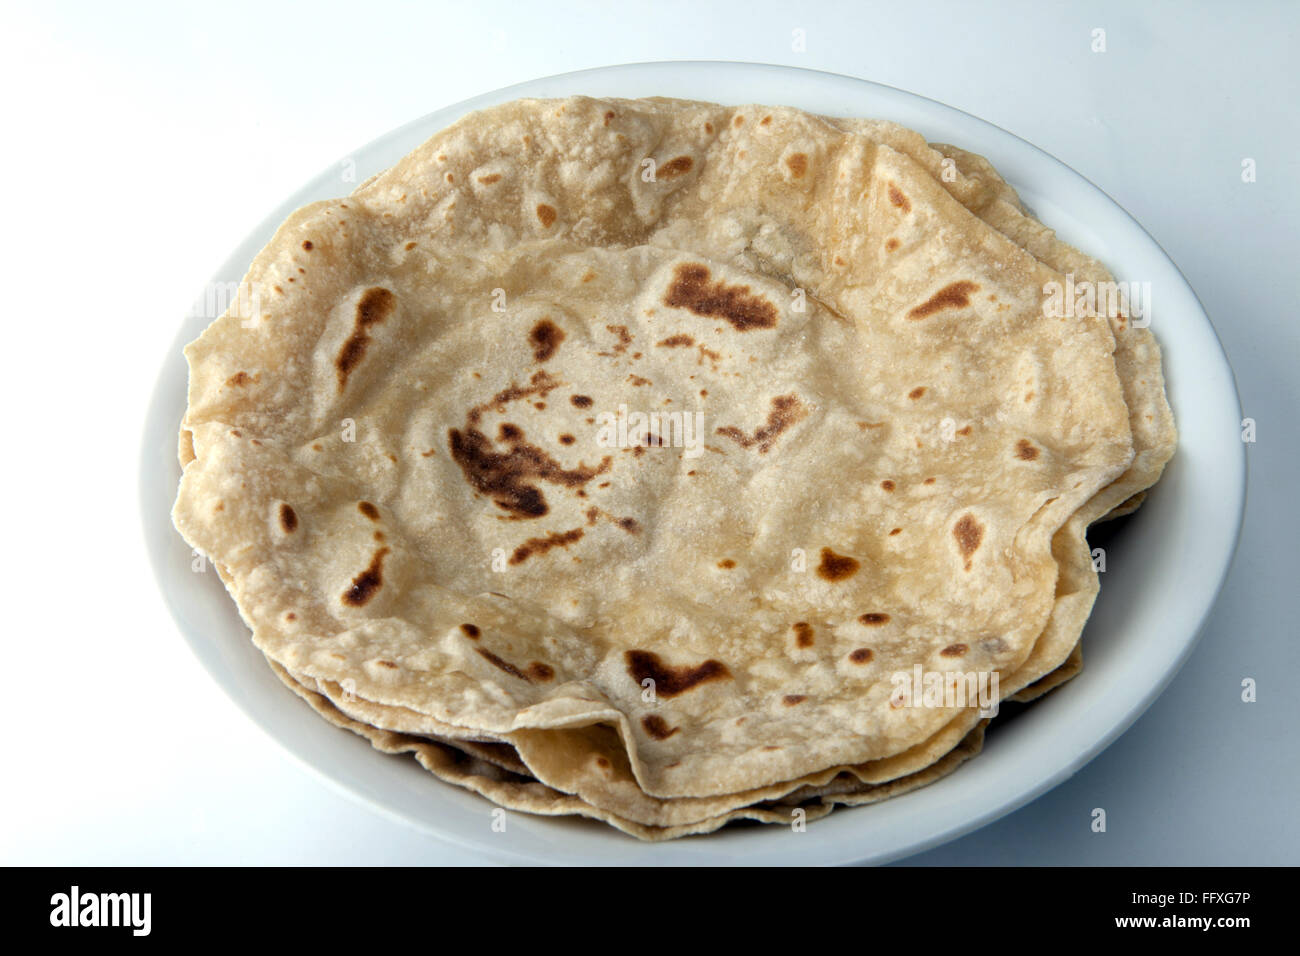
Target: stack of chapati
column 614, row 457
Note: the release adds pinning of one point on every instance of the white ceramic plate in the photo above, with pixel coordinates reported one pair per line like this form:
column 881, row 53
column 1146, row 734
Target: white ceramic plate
column 1165, row 565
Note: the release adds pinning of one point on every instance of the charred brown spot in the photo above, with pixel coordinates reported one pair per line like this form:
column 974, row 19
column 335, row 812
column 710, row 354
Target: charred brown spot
column 545, row 215
column 791, row 699
column 490, row 178
column 567, row 439
column 545, row 339
column 765, row 121
column 553, row 539
column 676, row 342
column 374, row 307
column 874, row 619
column 804, row 635
column 671, row 681
column 539, row 671
column 964, row 430
column 895, row 531
column 786, row 411
column 609, row 115
column 916, row 393
column 471, row 631
column 969, row 533
column 638, row 380
column 674, row 168
column 891, row 244
column 887, row 485
column 657, row 727
column 797, row 164
column 306, row 244
column 508, row 432
column 502, row 664
column 692, row 289
column 509, row 477
column 954, row 650
column 630, row 525
column 955, row 295
column 899, row 199
column 387, row 664
column 410, row 245
column 580, row 401
column 238, row 380
column 288, row 518
column 1026, row 450
column 738, row 121
column 369, row 510
column 862, row 655
column 726, row 564
column 365, row 584
column 837, row 567
column 603, row 763
column 291, row 616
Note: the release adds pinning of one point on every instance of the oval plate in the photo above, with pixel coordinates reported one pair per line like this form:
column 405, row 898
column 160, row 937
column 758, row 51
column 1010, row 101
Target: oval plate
column 1166, row 563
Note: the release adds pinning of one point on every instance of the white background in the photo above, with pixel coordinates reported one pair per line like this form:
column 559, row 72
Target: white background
column 141, row 144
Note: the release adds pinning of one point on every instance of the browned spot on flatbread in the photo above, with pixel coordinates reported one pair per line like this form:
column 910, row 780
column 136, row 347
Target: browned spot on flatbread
column 553, row 539
column 874, row 619
column 804, row 636
column 369, row 510
column 541, row 672
column 545, row 338
column 674, row 168
column 969, row 533
column 288, row 518
column 954, row 650
column 726, row 564
column 692, row 289
column 965, row 430
column 676, row 342
column 390, row 665
column 503, row 664
column 657, row 727
column 786, row 411
column 887, row 485
column 471, row 631
column 791, row 699
column 365, row 584
column 1026, row 450
column 510, row 477
column 307, row 246
column 545, row 215
column 899, row 199
column 567, row 439
column 955, row 295
column 916, row 393
column 375, row 306
column 239, row 379
column 891, row 244
column 797, row 163
column 861, row 655
column 580, row 401
column 837, row 567
column 490, row 178
column 670, row 681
